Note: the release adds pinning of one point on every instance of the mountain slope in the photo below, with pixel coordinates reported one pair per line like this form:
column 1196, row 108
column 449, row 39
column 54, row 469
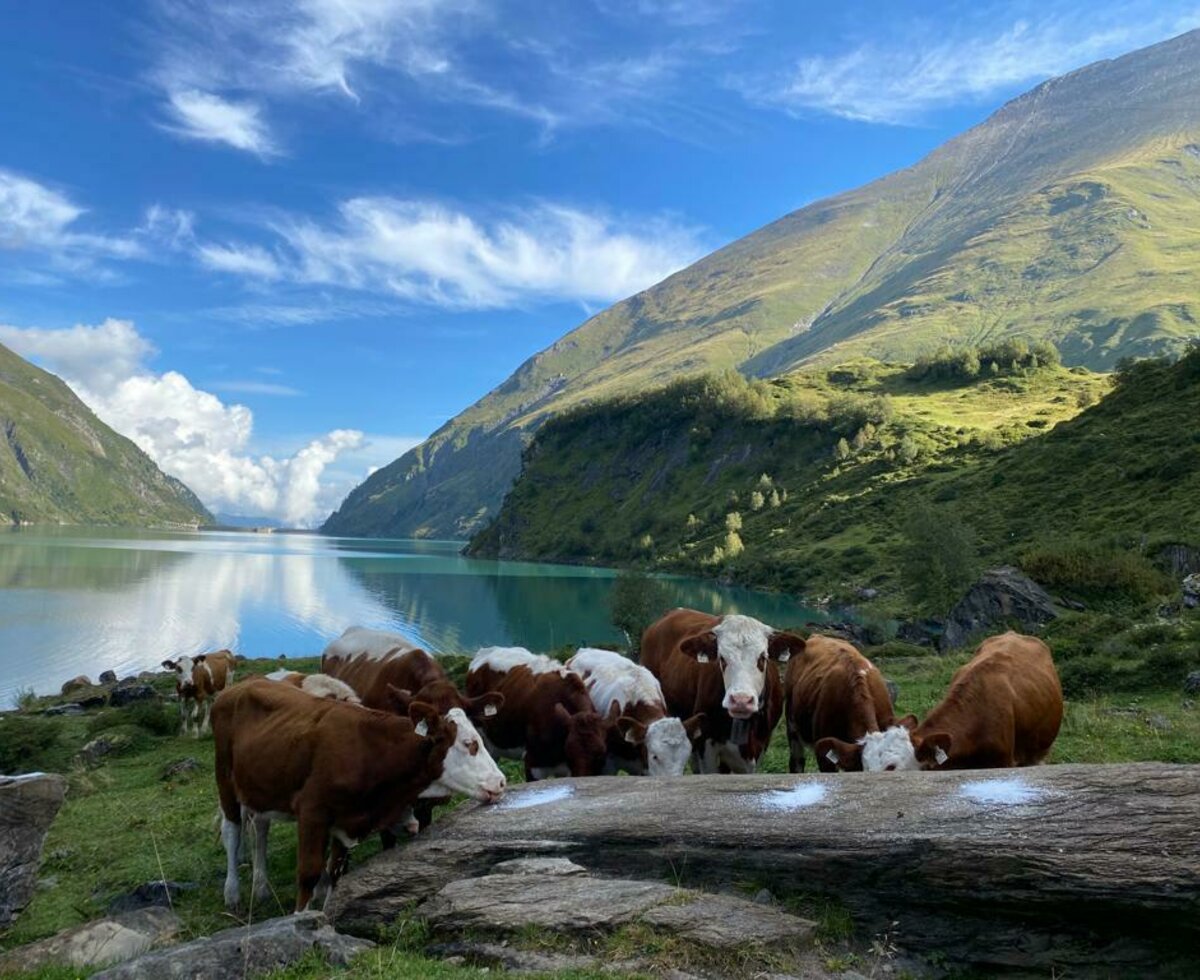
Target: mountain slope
column 59, row 463
column 1070, row 214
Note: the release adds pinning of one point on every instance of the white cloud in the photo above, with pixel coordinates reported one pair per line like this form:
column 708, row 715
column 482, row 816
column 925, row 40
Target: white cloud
column 203, row 116
column 429, row 253
column 916, row 72
column 242, row 260
column 190, row 433
column 37, row 219
column 253, row 387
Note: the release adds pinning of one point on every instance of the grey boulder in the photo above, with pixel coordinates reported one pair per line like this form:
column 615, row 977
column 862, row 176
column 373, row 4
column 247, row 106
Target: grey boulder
column 28, row 805
column 99, row 943
column 1002, row 597
column 244, row 951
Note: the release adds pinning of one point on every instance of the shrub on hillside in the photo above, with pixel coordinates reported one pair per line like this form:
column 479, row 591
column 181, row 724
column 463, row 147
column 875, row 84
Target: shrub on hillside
column 637, row 600
column 30, row 743
column 1094, row 572
column 938, row 559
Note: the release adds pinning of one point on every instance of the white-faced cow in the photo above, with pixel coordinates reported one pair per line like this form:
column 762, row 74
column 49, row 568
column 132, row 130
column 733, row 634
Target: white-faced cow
column 1003, row 708
column 724, row 668
column 833, row 696
column 388, row 672
column 546, row 717
column 318, row 685
column 197, row 681
column 339, row 770
column 646, row 740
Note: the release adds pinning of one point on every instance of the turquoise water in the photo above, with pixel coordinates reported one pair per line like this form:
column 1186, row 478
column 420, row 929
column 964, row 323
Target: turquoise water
column 79, row 601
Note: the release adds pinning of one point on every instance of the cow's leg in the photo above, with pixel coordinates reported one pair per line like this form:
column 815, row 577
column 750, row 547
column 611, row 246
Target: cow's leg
column 183, row 715
column 312, row 843
column 335, row 867
column 231, row 837
column 795, row 751
column 709, row 758
column 205, row 708
column 387, row 839
column 423, row 813
column 262, row 884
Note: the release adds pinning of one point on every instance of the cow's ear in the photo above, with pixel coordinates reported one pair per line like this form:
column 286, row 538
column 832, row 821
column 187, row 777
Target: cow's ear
column 846, row 756
column 485, row 706
column 934, row 750
column 562, row 715
column 199, row 658
column 694, row 727
column 632, row 730
column 702, row 647
column 425, row 719
column 170, row 665
column 614, row 712
column 783, row 646
column 399, row 699
column 908, row 721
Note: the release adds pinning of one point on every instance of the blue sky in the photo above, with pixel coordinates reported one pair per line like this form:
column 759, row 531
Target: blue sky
column 277, row 243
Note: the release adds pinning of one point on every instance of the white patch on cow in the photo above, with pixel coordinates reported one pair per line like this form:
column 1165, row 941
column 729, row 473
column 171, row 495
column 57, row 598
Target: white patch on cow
column 324, row 686
column 344, row 839
column 231, row 837
column 1006, row 792
column 184, row 668
column 741, row 643
column 208, row 670
column 611, row 677
column 538, row 796
column 715, row 753
column 504, row 659
column 892, row 749
column 560, row 771
column 806, row 794
column 667, row 748
column 282, row 675
column 358, row 641
column 468, row 768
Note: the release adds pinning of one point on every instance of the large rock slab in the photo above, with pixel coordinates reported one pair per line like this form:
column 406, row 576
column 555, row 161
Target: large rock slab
column 28, row 805
column 104, row 941
column 1095, row 868
column 1002, row 597
column 725, row 922
column 243, row 951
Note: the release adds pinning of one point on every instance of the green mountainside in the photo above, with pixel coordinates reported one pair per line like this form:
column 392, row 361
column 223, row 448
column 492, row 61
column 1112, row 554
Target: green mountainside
column 807, row 482
column 59, row 463
column 1072, row 214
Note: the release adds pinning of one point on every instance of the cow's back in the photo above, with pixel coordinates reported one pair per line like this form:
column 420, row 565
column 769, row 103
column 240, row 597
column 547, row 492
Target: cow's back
column 685, row 682
column 832, row 690
column 1026, row 664
column 371, row 661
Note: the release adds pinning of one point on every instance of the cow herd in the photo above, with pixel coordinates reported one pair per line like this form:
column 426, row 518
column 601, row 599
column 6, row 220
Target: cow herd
column 381, row 735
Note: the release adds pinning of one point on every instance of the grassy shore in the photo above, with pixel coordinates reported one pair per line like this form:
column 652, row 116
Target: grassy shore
column 125, row 822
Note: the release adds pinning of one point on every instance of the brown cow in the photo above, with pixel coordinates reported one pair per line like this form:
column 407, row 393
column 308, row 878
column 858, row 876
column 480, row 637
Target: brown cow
column 197, row 681
column 722, row 667
column 388, row 672
column 1003, row 708
column 338, row 769
column 833, row 696
column 547, row 717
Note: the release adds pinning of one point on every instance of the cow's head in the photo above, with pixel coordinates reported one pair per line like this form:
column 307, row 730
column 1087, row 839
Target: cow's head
column 667, row 742
column 895, row 750
column 586, row 744
column 741, row 647
column 182, row 668
column 468, row 768
column 444, row 696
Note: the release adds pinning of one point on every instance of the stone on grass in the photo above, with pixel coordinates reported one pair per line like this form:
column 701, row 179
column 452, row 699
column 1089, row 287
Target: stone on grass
column 724, row 922
column 1191, row 684
column 114, row 939
column 539, row 866
column 130, row 693
column 76, row 684
column 98, row 748
column 108, row 677
column 244, row 951
column 1002, row 596
column 179, row 767
column 28, row 805
column 148, row 894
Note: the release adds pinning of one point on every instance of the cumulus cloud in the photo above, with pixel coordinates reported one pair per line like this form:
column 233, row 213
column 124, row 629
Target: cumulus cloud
column 192, row 434
column 924, row 69
column 430, row 253
column 210, row 118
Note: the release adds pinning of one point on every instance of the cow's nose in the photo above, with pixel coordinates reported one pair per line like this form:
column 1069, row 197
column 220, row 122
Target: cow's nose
column 742, row 704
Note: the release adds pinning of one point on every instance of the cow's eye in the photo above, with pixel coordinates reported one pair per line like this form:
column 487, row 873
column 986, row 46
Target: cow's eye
column 762, row 662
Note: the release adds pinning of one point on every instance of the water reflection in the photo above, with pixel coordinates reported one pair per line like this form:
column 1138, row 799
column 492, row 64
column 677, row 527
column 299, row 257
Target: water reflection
column 78, row 601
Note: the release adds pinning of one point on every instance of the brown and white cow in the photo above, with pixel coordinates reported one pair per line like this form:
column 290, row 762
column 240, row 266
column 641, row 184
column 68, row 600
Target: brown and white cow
column 1003, row 708
column 197, row 681
column 721, row 667
column 646, row 740
column 339, row 770
column 318, row 685
column 833, row 696
column 388, row 672
column 547, row 717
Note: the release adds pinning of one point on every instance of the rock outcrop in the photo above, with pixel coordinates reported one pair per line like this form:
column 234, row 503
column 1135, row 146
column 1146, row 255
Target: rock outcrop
column 114, row 939
column 244, row 951
column 28, row 805
column 1002, row 597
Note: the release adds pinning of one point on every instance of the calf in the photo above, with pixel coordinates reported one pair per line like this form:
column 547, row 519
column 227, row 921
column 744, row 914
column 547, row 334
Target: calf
column 1003, row 708
column 318, row 685
column 337, row 769
column 389, row 673
column 832, row 697
column 197, row 681
column 646, row 740
column 546, row 718
column 721, row 667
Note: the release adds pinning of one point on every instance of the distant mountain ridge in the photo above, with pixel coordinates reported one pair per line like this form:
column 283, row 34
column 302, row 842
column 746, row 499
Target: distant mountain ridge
column 61, row 464
column 1071, row 214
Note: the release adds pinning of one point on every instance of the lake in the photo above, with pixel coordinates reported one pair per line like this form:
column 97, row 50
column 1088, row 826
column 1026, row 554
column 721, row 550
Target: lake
column 79, row 601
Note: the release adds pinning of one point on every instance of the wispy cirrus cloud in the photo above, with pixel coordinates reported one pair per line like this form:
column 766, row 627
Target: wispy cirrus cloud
column 927, row 67
column 427, row 253
column 255, row 387
column 200, row 115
